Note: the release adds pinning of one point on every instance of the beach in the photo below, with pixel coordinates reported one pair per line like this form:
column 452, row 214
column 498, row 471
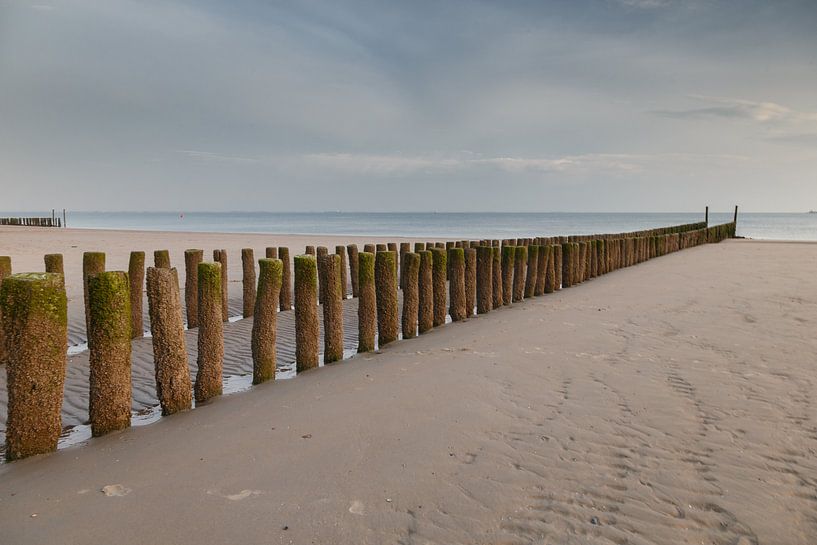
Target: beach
column 669, row 402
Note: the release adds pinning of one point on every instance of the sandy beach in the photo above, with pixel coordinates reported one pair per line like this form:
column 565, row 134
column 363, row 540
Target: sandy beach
column 670, row 402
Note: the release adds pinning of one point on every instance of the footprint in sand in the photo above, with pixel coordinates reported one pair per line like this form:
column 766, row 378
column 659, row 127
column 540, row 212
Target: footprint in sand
column 357, row 508
column 244, row 494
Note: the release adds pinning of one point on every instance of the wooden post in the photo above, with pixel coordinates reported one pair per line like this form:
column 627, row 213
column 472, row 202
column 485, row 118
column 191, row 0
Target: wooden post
column 220, row 256
column 92, row 263
column 321, row 253
column 5, row 272
column 285, row 302
column 484, row 279
column 136, row 279
column 386, row 286
column 425, row 288
column 264, row 320
column 332, row 310
column 456, row 284
column 532, row 270
column 470, row 280
column 248, row 281
column 409, row 277
column 173, row 386
column 211, row 333
column 706, row 216
column 35, row 329
column 367, row 302
column 53, row 264
column 497, row 299
column 109, row 340
column 439, row 264
column 520, row 272
column 161, row 259
column 306, row 313
column 344, row 285
column 192, row 258
column 351, row 250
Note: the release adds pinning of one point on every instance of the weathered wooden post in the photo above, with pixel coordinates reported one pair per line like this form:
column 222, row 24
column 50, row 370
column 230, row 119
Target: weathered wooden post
column 322, row 252
column 310, row 250
column 34, row 308
column 92, row 263
column 497, row 294
column 306, row 313
column 351, row 249
column 167, row 331
column 485, row 279
column 386, row 285
column 541, row 270
column 136, row 279
column 161, row 259
column 706, row 216
column 370, row 248
column 411, row 294
column 508, row 259
column 367, row 303
column 211, row 333
column 192, row 258
column 264, row 320
column 220, row 256
column 456, row 284
column 248, row 282
column 332, row 310
column 344, row 285
column 532, row 270
column 53, row 264
column 439, row 264
column 425, row 288
column 5, row 271
column 567, row 264
column 285, row 302
column 405, row 248
column 470, row 280
column 109, row 341
column 520, row 272
column 271, row 252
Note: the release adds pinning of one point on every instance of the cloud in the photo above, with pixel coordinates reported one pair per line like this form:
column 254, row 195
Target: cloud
column 735, row 108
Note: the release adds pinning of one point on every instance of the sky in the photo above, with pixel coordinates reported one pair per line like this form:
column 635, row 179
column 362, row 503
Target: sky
column 574, row 105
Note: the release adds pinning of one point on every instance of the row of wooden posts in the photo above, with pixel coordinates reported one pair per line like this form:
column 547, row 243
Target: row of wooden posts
column 32, row 222
column 437, row 279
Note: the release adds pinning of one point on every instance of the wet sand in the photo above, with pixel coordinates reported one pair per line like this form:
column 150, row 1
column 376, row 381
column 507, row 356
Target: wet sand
column 670, row 402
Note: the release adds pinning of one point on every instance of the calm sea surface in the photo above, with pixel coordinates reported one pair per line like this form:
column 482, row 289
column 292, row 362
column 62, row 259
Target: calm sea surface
column 444, row 225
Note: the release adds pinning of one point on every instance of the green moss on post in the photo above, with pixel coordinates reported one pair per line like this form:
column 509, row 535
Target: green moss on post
column 53, row 264
column 192, row 258
column 508, row 258
column 425, row 291
column 497, row 299
column 351, row 251
column 173, row 387
column 485, row 279
column 307, row 331
column 220, row 256
column 161, row 259
column 541, row 270
column 344, row 284
column 532, row 270
column 439, row 264
column 332, row 310
column 470, row 280
column 5, row 271
column 367, row 303
column 270, row 272
column 92, row 263
column 321, row 254
column 386, row 286
column 248, row 282
column 211, row 333
column 456, row 284
column 550, row 268
column 567, row 264
column 411, row 294
column 285, row 302
column 34, row 321
column 110, row 352
column 520, row 272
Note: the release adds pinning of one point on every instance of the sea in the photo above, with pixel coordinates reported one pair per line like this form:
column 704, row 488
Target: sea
column 765, row 226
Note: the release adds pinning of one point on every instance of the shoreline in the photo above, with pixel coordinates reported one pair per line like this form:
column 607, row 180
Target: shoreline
column 646, row 402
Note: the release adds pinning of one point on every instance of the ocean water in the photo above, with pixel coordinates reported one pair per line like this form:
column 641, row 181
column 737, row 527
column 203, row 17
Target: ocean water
column 769, row 226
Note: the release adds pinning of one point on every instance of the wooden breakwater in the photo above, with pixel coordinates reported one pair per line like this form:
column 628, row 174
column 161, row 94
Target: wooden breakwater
column 36, row 221
column 438, row 279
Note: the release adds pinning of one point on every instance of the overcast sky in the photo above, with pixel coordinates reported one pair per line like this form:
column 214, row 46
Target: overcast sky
column 574, row 105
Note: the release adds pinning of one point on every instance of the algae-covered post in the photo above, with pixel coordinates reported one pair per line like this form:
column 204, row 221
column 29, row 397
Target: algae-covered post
column 405, row 248
column 532, row 270
column 520, row 272
column 439, row 264
column 508, row 258
column 109, row 340
column 5, row 271
column 541, row 269
column 332, row 310
column 53, row 263
column 386, row 286
column 344, row 284
column 211, row 333
column 484, row 279
column 264, row 320
column 192, row 258
column 411, row 294
column 425, row 289
column 248, row 281
column 136, row 279
column 497, row 299
column 456, row 283
column 567, row 264
column 321, row 253
column 173, row 386
column 285, row 302
column 161, row 259
column 220, row 256
column 34, row 322
column 306, row 313
column 351, row 250
column 367, row 303
column 470, row 280
column 92, row 263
